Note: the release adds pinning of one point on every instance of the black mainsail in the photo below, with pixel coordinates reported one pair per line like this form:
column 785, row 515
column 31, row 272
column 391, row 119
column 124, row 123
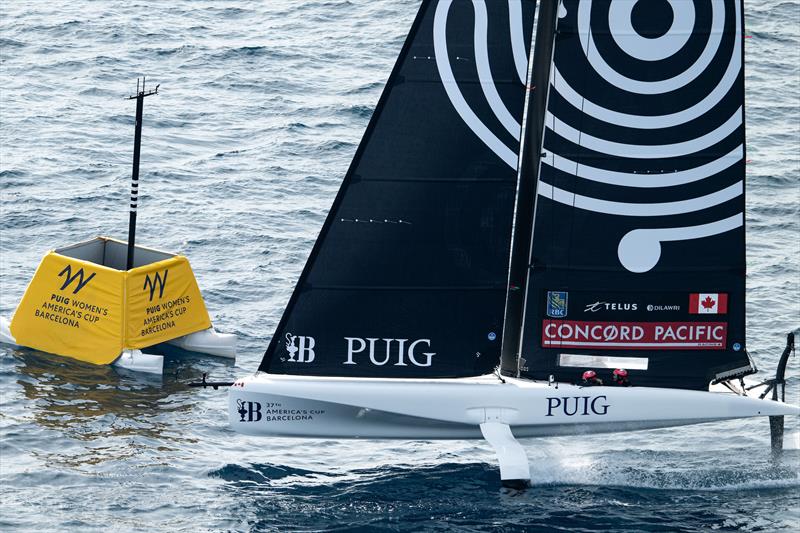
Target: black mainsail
column 637, row 256
column 408, row 276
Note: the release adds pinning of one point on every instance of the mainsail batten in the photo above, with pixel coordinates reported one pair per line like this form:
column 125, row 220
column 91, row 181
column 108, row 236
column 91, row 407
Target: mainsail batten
column 408, row 275
column 639, row 205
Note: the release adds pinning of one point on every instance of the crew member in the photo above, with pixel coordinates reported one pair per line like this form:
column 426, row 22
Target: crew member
column 590, row 379
column 620, row 378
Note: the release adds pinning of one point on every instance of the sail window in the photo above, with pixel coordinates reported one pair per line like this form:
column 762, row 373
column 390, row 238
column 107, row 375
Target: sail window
column 602, row 361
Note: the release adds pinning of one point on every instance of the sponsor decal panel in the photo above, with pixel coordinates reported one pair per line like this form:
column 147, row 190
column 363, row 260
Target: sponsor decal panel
column 250, row 411
column 73, row 308
column 300, row 349
column 375, row 351
column 398, row 352
column 708, row 303
column 660, row 307
column 557, row 304
column 91, row 312
column 577, row 405
column 163, row 303
column 594, row 307
column 634, row 335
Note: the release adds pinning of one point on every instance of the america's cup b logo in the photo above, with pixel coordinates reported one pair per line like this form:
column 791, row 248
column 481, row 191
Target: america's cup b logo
column 248, row 411
column 305, row 350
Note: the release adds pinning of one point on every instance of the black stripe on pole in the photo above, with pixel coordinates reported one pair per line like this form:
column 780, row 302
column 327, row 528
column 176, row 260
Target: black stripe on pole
column 137, row 145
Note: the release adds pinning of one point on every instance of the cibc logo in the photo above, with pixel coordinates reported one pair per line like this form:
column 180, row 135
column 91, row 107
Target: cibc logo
column 69, row 278
column 248, row 411
column 399, row 349
column 300, row 346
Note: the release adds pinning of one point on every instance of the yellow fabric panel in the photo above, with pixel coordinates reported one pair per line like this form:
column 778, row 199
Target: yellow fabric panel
column 164, row 302
column 72, row 308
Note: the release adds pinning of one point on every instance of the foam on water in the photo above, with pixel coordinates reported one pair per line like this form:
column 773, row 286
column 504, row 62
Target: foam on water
column 791, row 440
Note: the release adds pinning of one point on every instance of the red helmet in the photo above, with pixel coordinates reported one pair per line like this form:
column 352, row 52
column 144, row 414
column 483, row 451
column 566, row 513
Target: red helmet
column 620, row 373
column 589, row 374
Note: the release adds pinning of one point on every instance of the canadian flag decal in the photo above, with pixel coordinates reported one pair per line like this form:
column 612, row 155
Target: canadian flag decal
column 708, row 303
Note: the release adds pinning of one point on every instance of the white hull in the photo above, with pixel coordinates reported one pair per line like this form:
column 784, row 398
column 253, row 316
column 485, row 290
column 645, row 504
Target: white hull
column 297, row 406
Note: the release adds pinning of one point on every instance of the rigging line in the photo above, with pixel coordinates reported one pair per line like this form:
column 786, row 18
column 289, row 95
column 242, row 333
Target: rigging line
column 481, row 36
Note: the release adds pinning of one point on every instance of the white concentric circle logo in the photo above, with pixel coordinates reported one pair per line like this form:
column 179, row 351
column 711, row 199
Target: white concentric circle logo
column 648, row 115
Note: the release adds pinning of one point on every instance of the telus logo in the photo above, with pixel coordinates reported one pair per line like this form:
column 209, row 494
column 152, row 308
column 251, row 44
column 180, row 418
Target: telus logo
column 304, row 351
column 390, row 349
column 610, row 306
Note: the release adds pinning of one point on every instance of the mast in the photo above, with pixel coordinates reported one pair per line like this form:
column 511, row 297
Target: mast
column 531, row 150
column 137, row 146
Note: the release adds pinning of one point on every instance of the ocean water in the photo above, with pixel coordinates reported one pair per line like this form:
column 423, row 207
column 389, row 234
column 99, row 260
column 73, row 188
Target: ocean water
column 260, row 109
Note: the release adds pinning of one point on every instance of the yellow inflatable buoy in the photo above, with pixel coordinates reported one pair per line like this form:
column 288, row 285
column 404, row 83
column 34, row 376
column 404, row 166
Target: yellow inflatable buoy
column 83, row 303
column 103, row 300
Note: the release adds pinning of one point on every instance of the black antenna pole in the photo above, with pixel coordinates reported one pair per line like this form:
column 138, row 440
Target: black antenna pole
column 137, row 145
